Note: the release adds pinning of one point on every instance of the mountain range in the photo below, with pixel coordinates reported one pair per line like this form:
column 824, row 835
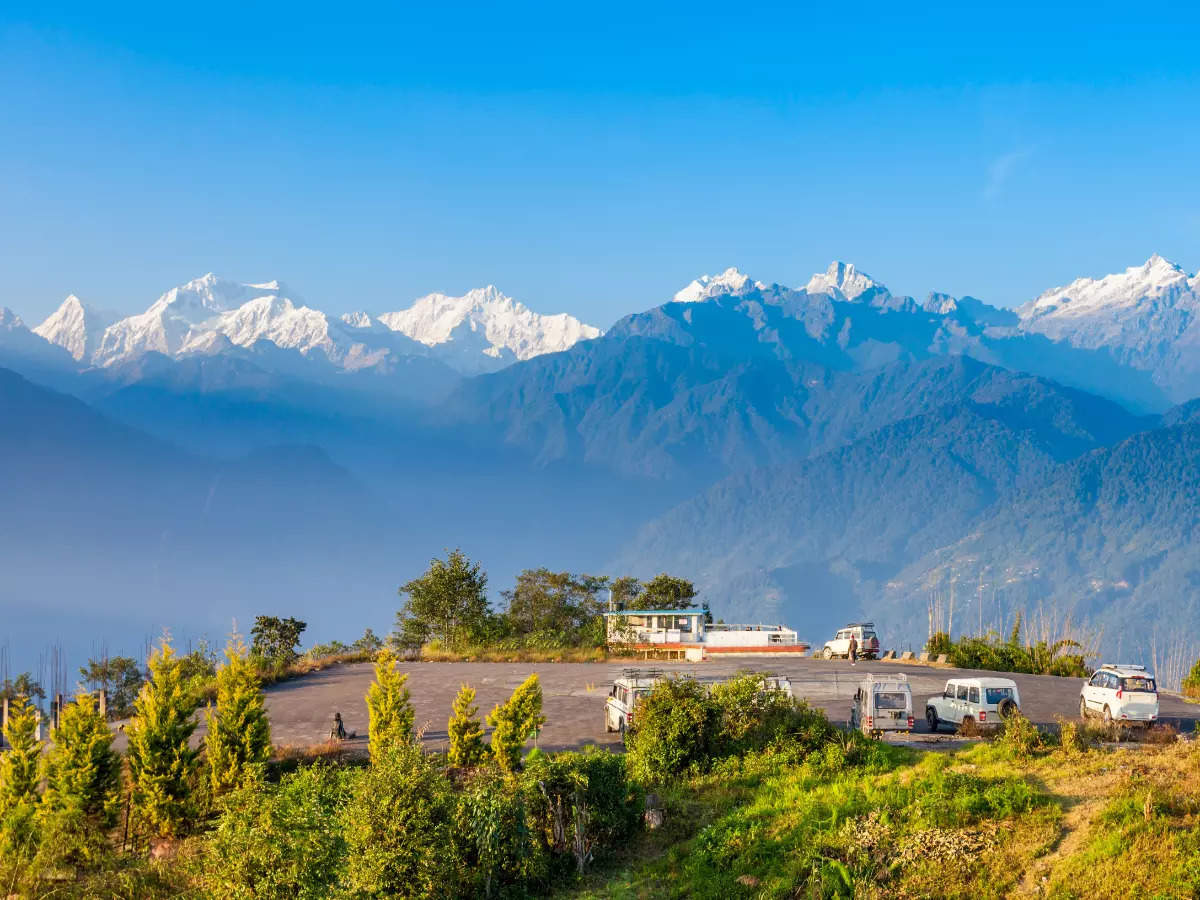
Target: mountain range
column 806, row 454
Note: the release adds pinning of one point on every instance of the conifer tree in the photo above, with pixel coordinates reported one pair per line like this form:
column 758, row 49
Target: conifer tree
column 389, row 706
column 466, row 735
column 239, row 735
column 19, row 777
column 162, row 765
column 515, row 722
column 83, row 772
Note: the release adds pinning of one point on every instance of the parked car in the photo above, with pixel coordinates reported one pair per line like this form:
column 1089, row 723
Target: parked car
column 882, row 703
column 868, row 643
column 624, row 695
column 981, row 701
column 1120, row 693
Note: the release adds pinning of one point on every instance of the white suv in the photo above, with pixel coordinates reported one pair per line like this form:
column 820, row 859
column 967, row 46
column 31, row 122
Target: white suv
column 981, row 701
column 863, row 632
column 1120, row 693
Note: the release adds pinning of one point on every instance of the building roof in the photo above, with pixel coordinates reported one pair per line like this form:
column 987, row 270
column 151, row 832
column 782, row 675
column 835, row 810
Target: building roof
column 693, row 611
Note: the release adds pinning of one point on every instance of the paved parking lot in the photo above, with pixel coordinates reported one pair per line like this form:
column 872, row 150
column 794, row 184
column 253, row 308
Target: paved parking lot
column 574, row 694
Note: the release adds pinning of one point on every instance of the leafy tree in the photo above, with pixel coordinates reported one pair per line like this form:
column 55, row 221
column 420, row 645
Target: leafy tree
column 370, row 642
column 466, row 735
column 23, row 686
column 398, row 829
column 121, row 678
column 553, row 605
column 162, row 765
column 666, row 592
column 448, row 603
column 516, row 721
column 275, row 640
column 625, row 592
column 239, row 735
column 83, row 785
column 389, row 707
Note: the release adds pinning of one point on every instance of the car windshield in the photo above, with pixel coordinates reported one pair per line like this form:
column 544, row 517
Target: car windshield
column 995, row 695
column 890, row 700
column 868, row 635
column 1138, row 683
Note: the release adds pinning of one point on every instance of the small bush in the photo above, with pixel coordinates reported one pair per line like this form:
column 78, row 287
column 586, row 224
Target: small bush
column 466, row 735
column 515, row 722
column 497, row 837
column 1020, row 737
column 672, row 730
column 398, row 828
column 277, row 842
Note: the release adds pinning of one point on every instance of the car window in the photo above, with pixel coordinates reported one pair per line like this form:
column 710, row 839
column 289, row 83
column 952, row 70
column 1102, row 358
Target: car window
column 1112, row 682
column 1138, row 683
column 891, row 700
column 868, row 635
column 949, row 691
column 995, row 695
column 973, row 696
column 962, row 692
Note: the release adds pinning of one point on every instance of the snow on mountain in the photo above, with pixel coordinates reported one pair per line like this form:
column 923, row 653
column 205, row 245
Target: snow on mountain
column 169, row 322
column 731, row 281
column 76, row 327
column 1147, row 317
column 844, row 282
column 483, row 329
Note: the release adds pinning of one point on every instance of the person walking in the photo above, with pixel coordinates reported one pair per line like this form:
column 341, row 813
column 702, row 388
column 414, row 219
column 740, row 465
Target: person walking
column 853, row 650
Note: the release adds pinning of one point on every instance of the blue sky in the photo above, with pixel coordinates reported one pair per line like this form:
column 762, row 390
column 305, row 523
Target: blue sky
column 589, row 159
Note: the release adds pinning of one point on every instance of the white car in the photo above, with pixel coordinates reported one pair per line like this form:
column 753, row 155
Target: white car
column 632, row 686
column 1120, row 693
column 981, row 701
column 882, row 703
column 863, row 632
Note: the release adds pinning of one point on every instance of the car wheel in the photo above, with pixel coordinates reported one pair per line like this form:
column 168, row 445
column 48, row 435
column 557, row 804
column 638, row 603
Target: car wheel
column 1083, row 710
column 931, row 717
column 1107, row 716
column 1007, row 707
column 827, row 653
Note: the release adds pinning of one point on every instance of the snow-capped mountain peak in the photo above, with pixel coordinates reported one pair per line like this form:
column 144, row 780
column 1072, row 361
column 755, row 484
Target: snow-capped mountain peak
column 484, row 325
column 731, row 281
column 1086, row 296
column 76, row 327
column 9, row 320
column 844, row 282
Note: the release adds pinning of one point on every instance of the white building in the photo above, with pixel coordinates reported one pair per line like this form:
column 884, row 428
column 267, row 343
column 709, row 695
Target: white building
column 686, row 634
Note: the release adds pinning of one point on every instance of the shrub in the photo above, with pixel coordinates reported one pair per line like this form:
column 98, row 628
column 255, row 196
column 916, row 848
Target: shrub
column 516, row 721
column 498, row 840
column 1191, row 684
column 671, row 731
column 589, row 806
column 466, row 736
column 389, row 706
column 1020, row 737
column 749, row 715
column 162, row 766
column 282, row 842
column 239, row 735
column 398, row 828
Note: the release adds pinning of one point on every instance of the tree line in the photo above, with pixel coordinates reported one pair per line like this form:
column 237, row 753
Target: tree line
column 449, row 605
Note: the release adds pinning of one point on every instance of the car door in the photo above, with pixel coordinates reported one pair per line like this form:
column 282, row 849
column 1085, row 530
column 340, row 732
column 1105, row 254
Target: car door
column 1091, row 692
column 961, row 708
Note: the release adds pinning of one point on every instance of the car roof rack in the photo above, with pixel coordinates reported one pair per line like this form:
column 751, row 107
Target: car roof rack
column 638, row 674
column 859, row 625
column 1131, row 666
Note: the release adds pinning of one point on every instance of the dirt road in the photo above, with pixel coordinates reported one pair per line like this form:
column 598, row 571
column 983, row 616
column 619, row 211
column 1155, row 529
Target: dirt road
column 574, row 694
